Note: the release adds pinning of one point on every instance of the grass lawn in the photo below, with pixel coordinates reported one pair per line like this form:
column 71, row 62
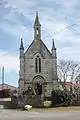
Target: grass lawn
column 71, row 108
column 57, row 109
column 47, row 108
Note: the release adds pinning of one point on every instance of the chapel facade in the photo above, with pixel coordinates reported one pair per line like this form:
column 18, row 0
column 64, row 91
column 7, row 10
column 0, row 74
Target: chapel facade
column 38, row 66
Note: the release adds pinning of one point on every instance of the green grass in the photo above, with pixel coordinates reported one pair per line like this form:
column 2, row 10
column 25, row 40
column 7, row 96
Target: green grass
column 47, row 108
column 57, row 109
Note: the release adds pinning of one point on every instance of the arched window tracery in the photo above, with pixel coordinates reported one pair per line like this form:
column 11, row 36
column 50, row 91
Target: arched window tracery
column 37, row 64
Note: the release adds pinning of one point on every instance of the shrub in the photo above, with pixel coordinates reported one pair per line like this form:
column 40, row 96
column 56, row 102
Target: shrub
column 47, row 103
column 60, row 98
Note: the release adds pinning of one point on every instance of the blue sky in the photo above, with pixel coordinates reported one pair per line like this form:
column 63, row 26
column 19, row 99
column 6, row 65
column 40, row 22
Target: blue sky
column 16, row 22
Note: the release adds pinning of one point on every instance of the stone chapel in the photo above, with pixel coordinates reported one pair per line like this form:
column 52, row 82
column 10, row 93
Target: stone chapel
column 38, row 66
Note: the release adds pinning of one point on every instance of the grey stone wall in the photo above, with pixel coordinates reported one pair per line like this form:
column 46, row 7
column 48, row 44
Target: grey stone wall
column 27, row 65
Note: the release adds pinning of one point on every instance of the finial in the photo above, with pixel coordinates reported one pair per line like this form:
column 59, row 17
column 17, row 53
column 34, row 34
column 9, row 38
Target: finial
column 21, row 45
column 36, row 13
column 53, row 44
column 21, row 39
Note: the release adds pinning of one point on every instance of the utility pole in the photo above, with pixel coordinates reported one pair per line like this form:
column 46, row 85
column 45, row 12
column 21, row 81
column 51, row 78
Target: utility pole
column 2, row 78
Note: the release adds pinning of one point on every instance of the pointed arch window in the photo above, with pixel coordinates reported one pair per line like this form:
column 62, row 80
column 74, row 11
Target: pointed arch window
column 36, row 67
column 37, row 64
column 37, row 31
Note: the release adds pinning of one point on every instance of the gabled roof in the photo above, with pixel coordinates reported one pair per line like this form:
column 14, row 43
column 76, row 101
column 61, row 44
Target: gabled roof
column 29, row 47
column 41, row 42
column 46, row 48
column 7, row 86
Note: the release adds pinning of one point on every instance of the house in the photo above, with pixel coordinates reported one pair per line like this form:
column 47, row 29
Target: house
column 11, row 87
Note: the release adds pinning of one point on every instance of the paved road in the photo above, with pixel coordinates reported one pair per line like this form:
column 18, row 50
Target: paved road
column 25, row 115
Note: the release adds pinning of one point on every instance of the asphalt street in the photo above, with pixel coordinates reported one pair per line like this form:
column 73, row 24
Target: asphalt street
column 44, row 115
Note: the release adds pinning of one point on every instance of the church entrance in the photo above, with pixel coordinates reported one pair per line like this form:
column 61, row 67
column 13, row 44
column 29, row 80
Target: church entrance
column 38, row 89
column 38, row 85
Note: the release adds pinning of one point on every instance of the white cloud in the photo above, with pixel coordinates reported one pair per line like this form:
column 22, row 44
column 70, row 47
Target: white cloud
column 66, row 3
column 10, row 62
column 17, row 19
column 52, row 26
column 23, row 4
column 14, row 29
column 68, row 53
column 51, row 19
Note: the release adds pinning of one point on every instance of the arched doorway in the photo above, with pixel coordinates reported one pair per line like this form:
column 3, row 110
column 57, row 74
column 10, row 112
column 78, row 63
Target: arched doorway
column 38, row 83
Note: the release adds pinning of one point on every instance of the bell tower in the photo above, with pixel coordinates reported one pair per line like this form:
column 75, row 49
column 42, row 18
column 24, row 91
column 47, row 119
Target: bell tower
column 37, row 28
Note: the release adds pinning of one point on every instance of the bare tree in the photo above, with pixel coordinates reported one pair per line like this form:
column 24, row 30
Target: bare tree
column 74, row 70
column 68, row 70
column 77, row 80
column 63, row 68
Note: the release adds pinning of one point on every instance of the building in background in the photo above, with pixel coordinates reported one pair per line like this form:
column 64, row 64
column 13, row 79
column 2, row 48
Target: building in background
column 7, row 86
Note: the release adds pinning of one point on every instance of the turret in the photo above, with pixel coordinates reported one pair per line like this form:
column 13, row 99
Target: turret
column 37, row 28
column 21, row 60
column 54, row 57
column 21, row 72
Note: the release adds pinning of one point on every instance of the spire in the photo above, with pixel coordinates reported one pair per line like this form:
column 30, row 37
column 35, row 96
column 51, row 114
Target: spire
column 37, row 28
column 53, row 49
column 21, row 45
column 37, row 23
column 53, row 45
